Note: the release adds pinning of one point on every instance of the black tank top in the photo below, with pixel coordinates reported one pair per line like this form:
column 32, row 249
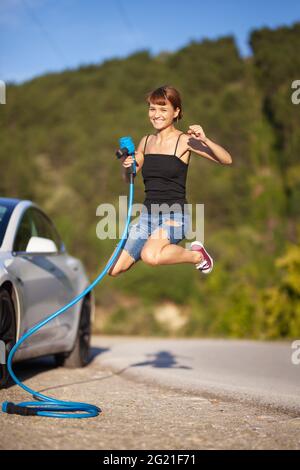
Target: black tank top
column 164, row 178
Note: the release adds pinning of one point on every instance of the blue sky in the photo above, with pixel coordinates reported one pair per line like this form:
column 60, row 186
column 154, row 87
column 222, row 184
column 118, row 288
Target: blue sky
column 39, row 36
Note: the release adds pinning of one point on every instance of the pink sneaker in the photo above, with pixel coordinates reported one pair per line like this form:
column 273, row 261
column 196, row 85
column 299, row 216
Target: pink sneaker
column 206, row 265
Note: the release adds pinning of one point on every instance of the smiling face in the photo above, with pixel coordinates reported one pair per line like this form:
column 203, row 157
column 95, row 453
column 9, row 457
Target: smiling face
column 162, row 115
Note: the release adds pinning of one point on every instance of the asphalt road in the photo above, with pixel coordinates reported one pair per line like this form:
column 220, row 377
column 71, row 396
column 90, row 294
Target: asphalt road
column 250, row 371
column 165, row 394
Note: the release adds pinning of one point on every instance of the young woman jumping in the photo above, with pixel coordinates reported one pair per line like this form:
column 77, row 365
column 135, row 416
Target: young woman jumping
column 163, row 159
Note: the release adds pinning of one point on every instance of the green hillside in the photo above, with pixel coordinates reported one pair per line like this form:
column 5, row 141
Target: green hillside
column 59, row 133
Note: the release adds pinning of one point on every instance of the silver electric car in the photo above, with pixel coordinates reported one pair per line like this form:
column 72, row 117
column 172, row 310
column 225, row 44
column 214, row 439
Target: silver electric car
column 38, row 277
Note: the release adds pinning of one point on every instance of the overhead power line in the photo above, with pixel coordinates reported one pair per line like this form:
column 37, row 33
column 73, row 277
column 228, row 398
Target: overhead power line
column 52, row 43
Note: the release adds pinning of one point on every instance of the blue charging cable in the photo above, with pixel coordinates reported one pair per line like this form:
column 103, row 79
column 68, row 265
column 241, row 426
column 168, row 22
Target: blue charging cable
column 51, row 407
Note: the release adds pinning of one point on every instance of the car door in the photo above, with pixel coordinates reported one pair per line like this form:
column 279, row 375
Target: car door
column 64, row 268
column 45, row 286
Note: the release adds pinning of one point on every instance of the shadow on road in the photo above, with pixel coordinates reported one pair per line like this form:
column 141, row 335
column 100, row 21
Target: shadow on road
column 31, row 367
column 162, row 359
column 94, row 352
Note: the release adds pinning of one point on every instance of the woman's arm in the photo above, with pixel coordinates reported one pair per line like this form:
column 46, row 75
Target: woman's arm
column 198, row 143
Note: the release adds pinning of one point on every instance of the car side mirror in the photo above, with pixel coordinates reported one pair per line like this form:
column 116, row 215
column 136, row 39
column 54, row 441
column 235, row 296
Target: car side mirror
column 41, row 245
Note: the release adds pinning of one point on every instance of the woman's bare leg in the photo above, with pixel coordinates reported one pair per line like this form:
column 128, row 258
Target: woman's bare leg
column 159, row 250
column 122, row 264
column 173, row 254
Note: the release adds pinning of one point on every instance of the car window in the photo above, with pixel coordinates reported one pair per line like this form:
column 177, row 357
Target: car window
column 26, row 230
column 35, row 224
column 45, row 227
column 3, row 212
column 6, row 210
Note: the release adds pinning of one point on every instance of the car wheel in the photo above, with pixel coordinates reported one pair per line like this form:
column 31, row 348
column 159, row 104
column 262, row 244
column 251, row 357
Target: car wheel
column 7, row 332
column 79, row 356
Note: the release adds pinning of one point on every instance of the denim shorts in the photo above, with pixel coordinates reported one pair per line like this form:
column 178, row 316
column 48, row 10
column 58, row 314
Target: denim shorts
column 138, row 233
